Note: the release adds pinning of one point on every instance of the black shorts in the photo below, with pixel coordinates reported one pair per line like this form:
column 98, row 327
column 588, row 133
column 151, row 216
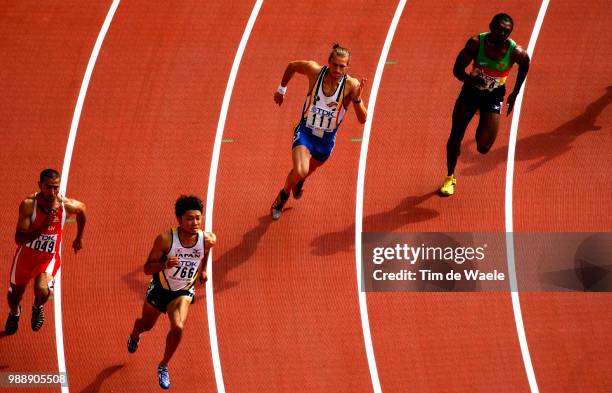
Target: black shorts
column 485, row 101
column 159, row 297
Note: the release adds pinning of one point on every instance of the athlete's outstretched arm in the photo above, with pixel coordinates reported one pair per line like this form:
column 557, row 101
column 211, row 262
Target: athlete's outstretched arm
column 156, row 262
column 305, row 67
column 78, row 208
column 522, row 59
column 25, row 233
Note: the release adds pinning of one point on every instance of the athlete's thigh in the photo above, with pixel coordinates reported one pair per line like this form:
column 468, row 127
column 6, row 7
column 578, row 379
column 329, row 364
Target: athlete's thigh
column 178, row 310
column 488, row 125
column 44, row 279
column 301, row 157
column 464, row 110
column 149, row 314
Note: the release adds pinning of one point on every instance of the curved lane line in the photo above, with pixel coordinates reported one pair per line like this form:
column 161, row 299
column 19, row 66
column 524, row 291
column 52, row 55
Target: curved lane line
column 210, row 196
column 516, row 304
column 363, row 305
column 57, row 302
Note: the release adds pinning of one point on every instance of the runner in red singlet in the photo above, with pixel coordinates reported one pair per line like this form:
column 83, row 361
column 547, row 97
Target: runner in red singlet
column 39, row 237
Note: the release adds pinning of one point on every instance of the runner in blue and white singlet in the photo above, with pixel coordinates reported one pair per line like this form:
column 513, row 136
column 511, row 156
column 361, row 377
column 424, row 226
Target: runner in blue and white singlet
column 323, row 113
column 330, row 93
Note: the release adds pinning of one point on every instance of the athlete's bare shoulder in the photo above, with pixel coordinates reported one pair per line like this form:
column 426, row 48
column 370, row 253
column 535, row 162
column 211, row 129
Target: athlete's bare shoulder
column 163, row 241
column 27, row 204
column 473, row 44
column 520, row 55
column 352, row 82
column 72, row 205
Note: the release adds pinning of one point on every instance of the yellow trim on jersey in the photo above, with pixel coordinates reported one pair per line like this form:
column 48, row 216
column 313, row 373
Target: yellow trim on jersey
column 340, row 106
column 188, row 286
column 163, row 280
column 314, row 91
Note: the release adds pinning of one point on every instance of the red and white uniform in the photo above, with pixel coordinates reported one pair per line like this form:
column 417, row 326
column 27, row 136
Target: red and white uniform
column 43, row 253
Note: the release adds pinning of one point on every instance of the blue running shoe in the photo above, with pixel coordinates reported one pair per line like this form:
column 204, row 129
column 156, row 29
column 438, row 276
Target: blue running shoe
column 163, row 377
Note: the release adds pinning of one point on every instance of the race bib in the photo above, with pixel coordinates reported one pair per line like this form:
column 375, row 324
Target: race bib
column 491, row 82
column 320, row 120
column 184, row 272
column 44, row 243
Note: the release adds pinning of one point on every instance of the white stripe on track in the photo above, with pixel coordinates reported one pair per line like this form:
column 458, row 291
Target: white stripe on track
column 210, row 196
column 57, row 302
column 516, row 303
column 363, row 305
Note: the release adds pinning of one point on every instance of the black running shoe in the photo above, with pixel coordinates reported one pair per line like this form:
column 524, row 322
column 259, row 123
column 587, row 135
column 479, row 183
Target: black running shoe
column 38, row 317
column 132, row 344
column 297, row 190
column 279, row 203
column 12, row 323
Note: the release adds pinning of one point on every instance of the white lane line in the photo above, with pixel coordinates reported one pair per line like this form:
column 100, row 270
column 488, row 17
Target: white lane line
column 210, row 196
column 516, row 303
column 363, row 305
column 57, row 302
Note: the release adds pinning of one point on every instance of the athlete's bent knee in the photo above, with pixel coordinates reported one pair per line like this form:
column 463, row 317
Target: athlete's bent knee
column 301, row 172
column 41, row 289
column 177, row 328
column 483, row 149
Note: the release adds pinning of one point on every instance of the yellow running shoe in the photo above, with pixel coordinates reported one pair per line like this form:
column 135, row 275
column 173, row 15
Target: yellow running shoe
column 448, row 188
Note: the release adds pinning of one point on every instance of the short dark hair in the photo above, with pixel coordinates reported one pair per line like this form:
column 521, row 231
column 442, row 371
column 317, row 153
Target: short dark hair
column 49, row 173
column 187, row 202
column 339, row 51
column 502, row 16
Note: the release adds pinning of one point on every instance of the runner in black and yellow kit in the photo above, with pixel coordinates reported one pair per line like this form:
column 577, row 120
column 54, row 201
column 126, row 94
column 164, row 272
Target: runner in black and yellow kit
column 484, row 88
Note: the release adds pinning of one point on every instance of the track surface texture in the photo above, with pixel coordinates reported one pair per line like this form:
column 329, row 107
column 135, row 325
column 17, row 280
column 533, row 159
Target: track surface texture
column 285, row 293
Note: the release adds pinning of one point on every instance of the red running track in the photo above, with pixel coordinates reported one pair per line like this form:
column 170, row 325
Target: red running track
column 42, row 65
column 146, row 137
column 285, row 292
column 286, row 304
column 438, row 342
column 563, row 161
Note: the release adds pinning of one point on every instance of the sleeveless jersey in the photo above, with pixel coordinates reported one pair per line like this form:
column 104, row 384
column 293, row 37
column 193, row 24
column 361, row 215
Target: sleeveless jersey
column 183, row 276
column 43, row 253
column 322, row 113
column 494, row 72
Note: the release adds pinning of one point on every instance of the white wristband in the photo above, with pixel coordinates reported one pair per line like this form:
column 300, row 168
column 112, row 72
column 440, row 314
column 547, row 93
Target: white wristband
column 281, row 89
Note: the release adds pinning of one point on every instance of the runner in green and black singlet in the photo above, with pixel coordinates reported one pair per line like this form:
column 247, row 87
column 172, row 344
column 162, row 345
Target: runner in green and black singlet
column 492, row 55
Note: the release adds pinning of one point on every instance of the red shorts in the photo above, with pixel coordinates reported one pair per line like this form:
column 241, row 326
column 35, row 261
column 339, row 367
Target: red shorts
column 29, row 263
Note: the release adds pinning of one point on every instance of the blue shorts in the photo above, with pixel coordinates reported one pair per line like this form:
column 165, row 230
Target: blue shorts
column 319, row 147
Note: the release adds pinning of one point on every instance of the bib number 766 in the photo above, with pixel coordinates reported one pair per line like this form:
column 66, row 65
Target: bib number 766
column 184, row 272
